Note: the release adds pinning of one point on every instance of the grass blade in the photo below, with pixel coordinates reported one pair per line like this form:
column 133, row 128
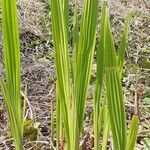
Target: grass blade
column 114, row 92
column 85, row 54
column 84, row 58
column 99, row 78
column 106, row 128
column 11, row 89
column 60, row 37
column 132, row 136
column 122, row 46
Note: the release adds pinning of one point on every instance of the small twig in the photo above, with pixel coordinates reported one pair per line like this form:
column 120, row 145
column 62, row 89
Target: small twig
column 146, row 118
column 138, row 92
column 136, row 103
column 32, row 142
column 30, row 107
column 128, row 104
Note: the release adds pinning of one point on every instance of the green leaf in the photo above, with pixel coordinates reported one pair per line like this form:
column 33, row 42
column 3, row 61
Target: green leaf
column 86, row 47
column 28, row 123
column 83, row 48
column 147, row 100
column 146, row 143
column 60, row 38
column 11, row 88
column 99, row 78
column 114, row 91
column 132, row 136
column 31, row 133
column 84, row 58
column 31, row 129
column 122, row 46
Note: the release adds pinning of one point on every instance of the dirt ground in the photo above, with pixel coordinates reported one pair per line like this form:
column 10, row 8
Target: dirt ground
column 38, row 71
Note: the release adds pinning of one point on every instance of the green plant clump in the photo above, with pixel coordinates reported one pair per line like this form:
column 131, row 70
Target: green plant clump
column 73, row 77
column 72, row 94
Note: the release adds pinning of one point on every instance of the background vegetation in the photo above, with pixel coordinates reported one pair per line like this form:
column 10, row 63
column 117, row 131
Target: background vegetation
column 39, row 76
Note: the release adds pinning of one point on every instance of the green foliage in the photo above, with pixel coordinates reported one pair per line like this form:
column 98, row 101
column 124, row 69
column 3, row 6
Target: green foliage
column 73, row 77
column 116, row 108
column 11, row 88
column 132, row 135
column 31, row 129
column 147, row 100
column 145, row 63
column 60, row 37
column 112, row 63
column 71, row 105
column 114, row 91
column 86, row 45
column 99, row 81
column 146, row 143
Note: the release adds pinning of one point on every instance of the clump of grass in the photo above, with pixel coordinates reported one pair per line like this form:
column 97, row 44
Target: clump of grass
column 71, row 96
column 71, row 104
column 109, row 68
column 73, row 78
column 11, row 88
